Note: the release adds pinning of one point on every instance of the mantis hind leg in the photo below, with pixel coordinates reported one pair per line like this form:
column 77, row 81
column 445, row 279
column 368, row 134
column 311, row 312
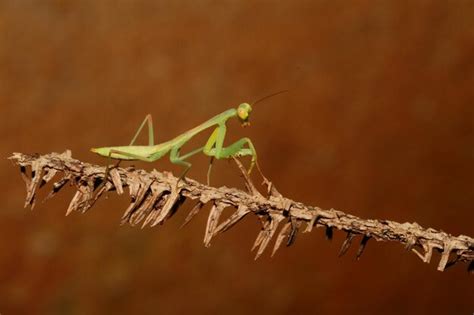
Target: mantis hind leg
column 179, row 160
column 109, row 157
column 148, row 119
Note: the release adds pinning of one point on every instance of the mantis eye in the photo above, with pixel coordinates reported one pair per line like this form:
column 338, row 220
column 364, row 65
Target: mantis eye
column 243, row 111
column 243, row 114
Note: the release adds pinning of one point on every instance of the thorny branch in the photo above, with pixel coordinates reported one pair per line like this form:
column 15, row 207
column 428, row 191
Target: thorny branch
column 156, row 196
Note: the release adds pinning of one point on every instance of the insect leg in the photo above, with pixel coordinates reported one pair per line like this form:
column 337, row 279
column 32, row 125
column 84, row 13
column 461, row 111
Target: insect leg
column 107, row 168
column 135, row 156
column 211, row 141
column 237, row 149
column 209, row 171
column 145, row 158
column 148, row 120
column 193, row 152
column 217, row 136
column 176, row 159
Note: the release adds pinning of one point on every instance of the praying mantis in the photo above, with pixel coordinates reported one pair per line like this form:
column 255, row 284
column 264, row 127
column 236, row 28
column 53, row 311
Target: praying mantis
column 214, row 146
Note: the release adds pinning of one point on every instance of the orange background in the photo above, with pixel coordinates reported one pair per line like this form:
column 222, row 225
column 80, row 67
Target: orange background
column 378, row 122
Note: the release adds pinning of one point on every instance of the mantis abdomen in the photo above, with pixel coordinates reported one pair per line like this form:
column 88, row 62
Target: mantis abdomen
column 134, row 152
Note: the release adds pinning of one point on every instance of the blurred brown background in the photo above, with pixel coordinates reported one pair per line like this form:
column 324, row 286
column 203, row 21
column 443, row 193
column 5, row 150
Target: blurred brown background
column 379, row 122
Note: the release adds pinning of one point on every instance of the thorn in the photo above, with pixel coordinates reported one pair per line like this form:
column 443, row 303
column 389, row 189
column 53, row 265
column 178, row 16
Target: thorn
column 275, row 220
column 49, row 174
column 138, row 191
column 212, row 221
column 248, row 182
column 329, row 233
column 116, row 180
column 25, row 177
column 74, row 202
column 258, row 240
column 426, row 257
column 32, row 203
column 155, row 210
column 410, row 242
column 445, row 257
column 452, row 262
column 87, row 196
column 271, row 189
column 260, row 236
column 174, row 208
column 312, row 223
column 422, row 257
column 134, row 187
column 295, row 225
column 241, row 212
column 347, row 243
column 57, row 187
column 281, row 236
column 36, row 170
column 167, row 208
column 362, row 245
column 428, row 253
column 153, row 193
column 198, row 206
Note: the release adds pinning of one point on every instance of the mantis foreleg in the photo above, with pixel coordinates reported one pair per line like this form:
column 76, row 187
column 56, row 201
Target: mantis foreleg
column 237, row 149
column 216, row 140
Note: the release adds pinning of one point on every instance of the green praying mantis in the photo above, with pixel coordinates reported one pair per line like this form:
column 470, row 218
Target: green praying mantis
column 214, row 146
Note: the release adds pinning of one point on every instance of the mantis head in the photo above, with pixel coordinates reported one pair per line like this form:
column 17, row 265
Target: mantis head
column 244, row 109
column 243, row 112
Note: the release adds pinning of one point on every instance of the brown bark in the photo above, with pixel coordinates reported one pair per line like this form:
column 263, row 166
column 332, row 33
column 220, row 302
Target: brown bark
column 156, row 196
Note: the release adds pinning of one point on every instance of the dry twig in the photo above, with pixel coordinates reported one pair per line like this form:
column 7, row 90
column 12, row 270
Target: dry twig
column 155, row 197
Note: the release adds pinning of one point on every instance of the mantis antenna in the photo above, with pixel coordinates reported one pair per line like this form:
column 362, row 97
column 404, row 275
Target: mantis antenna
column 268, row 96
